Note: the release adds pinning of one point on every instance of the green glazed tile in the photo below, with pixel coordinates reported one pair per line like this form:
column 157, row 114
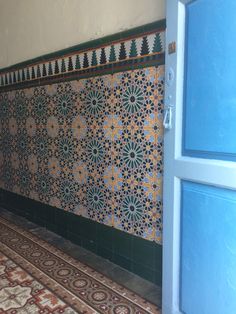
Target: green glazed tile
column 122, row 261
column 89, row 245
column 104, row 252
column 144, row 252
column 144, row 272
column 105, row 236
column 122, row 244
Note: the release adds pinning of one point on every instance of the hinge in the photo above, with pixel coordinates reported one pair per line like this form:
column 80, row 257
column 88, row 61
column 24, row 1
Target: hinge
column 172, row 47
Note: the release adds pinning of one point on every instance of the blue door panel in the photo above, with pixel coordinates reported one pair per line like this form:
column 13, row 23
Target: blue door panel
column 210, row 80
column 208, row 250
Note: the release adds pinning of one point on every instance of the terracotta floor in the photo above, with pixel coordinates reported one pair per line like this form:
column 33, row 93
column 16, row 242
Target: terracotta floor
column 36, row 277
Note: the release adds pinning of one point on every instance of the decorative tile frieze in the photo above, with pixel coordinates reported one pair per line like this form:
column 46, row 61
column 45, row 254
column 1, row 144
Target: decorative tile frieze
column 135, row 50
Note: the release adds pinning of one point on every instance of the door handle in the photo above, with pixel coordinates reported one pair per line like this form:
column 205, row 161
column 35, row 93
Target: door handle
column 167, row 121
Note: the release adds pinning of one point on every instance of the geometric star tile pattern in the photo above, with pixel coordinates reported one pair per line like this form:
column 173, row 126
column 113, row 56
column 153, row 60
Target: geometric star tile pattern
column 90, row 146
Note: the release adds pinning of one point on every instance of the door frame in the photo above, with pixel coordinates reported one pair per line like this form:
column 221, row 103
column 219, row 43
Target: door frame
column 218, row 173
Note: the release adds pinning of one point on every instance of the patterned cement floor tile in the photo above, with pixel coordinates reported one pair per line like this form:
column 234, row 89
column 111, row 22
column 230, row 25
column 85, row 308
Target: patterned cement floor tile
column 35, row 277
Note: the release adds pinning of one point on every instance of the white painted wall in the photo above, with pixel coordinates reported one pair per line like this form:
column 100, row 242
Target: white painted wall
column 30, row 28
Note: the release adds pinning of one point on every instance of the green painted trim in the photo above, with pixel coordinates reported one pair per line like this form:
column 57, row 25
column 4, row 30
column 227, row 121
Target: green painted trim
column 158, row 25
column 135, row 254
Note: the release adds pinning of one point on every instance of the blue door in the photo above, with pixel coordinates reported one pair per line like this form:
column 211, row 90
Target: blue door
column 199, row 241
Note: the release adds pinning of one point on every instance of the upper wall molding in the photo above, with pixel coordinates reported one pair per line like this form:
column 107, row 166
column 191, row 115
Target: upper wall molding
column 141, row 46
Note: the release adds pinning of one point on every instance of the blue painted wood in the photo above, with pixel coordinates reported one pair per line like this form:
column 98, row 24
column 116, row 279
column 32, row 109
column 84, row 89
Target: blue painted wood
column 208, row 250
column 210, row 80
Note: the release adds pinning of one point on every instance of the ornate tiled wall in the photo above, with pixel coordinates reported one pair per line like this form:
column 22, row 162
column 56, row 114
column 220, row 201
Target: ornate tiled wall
column 93, row 145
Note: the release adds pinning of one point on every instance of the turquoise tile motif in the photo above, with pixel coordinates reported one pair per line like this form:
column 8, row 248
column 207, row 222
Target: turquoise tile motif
column 90, row 146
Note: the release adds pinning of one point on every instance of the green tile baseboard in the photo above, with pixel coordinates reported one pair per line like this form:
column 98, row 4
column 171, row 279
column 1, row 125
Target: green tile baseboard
column 135, row 254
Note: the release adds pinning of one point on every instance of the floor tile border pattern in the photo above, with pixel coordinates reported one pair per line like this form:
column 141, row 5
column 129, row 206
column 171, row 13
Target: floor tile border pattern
column 98, row 280
column 58, row 290
column 144, row 288
column 127, row 51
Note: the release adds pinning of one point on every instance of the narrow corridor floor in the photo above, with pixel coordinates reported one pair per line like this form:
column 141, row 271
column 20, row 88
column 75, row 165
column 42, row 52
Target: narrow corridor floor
column 40, row 272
